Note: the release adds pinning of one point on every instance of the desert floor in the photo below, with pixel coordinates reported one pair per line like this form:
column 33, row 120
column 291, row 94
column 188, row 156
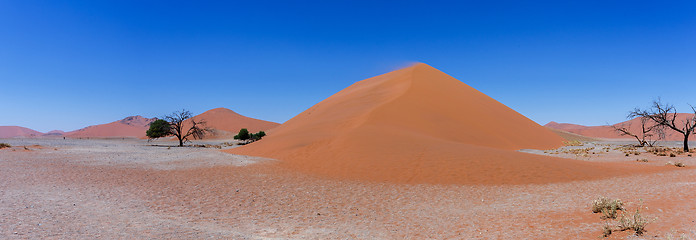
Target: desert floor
column 86, row 189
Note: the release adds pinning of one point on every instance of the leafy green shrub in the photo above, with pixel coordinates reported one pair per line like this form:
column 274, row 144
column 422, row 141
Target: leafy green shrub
column 258, row 135
column 243, row 134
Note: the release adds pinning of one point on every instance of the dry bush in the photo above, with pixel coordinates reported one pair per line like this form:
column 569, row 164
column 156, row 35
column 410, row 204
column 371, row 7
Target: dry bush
column 5, row 145
column 606, row 230
column 676, row 164
column 672, row 155
column 608, row 207
column 573, row 143
column 635, row 223
column 207, row 146
column 642, row 160
column 580, row 151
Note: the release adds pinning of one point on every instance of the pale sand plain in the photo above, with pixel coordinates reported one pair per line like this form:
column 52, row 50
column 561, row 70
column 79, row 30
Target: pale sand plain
column 86, row 189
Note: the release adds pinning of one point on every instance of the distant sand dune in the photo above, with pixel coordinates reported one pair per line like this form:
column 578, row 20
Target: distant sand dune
column 130, row 127
column 228, row 123
column 608, row 132
column 16, row 131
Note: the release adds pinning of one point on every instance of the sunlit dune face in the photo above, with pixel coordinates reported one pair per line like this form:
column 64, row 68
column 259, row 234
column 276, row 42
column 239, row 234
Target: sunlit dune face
column 419, row 125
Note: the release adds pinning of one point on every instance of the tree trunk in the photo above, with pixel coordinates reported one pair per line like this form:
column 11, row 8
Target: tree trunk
column 686, row 143
column 181, row 142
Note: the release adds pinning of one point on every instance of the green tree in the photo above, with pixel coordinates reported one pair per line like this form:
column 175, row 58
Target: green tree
column 159, row 128
column 243, row 134
column 258, row 135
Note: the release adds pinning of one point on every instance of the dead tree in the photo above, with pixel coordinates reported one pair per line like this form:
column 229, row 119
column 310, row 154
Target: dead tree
column 178, row 128
column 648, row 130
column 666, row 115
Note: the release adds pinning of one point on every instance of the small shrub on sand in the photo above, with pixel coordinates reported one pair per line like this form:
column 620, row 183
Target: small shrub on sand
column 636, row 222
column 676, row 164
column 608, row 207
column 573, row 143
column 642, row 160
column 606, row 230
column 243, row 134
column 5, row 145
column 672, row 155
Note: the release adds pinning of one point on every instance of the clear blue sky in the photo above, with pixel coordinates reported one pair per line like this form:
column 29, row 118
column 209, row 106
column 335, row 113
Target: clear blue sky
column 69, row 64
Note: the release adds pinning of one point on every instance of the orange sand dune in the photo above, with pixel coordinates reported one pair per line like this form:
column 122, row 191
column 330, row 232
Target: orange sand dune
column 17, row 131
column 131, row 127
column 54, row 133
column 227, row 123
column 419, row 125
column 608, row 132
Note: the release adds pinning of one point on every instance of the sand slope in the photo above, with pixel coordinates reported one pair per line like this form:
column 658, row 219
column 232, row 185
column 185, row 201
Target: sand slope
column 54, row 133
column 419, row 125
column 569, row 136
column 608, row 132
column 17, row 131
column 132, row 127
column 227, row 123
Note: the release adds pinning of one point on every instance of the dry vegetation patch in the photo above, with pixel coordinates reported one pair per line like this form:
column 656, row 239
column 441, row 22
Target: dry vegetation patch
column 573, row 143
column 5, row 145
column 676, row 164
column 635, row 222
column 608, row 207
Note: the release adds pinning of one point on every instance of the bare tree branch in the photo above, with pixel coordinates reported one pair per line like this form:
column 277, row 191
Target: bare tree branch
column 646, row 134
column 177, row 119
column 665, row 115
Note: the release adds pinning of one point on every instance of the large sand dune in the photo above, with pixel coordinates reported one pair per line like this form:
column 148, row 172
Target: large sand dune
column 606, row 131
column 227, row 123
column 419, row 125
column 17, row 131
column 131, row 127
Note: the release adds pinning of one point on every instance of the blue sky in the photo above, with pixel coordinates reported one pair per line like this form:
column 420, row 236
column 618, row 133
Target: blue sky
column 69, row 64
